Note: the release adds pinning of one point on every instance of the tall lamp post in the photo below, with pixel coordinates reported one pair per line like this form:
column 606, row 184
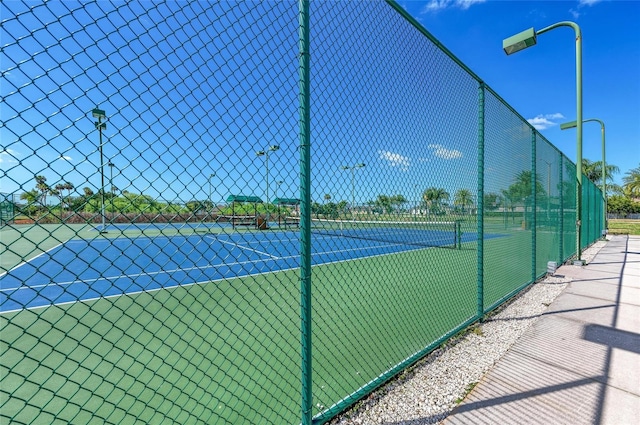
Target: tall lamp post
column 100, row 114
column 415, row 216
column 112, row 190
column 211, row 176
column 265, row 153
column 353, row 180
column 573, row 124
column 278, row 183
column 528, row 38
column 111, row 165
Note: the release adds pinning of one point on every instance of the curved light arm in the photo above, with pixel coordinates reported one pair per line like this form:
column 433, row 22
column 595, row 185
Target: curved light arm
column 528, row 38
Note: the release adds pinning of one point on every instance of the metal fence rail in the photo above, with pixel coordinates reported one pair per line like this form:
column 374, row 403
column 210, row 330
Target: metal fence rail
column 239, row 212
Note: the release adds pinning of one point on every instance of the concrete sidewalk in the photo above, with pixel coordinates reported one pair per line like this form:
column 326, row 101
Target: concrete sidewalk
column 580, row 362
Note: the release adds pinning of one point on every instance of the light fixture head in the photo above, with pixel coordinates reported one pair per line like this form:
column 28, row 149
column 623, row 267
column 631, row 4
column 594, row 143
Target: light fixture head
column 98, row 113
column 520, row 41
column 567, row 125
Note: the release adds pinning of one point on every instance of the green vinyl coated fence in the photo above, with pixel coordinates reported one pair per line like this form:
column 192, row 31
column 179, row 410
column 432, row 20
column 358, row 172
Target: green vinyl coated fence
column 252, row 212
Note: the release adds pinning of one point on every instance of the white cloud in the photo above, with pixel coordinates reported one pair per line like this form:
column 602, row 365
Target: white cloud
column 65, row 158
column 465, row 4
column 444, row 153
column 8, row 156
column 395, row 160
column 588, row 2
column 542, row 122
column 435, row 5
column 582, row 3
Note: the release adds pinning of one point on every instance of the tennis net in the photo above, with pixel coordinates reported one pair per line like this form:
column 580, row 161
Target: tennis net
column 445, row 234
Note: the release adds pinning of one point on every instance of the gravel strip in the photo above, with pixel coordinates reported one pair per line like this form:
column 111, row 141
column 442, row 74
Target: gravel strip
column 428, row 392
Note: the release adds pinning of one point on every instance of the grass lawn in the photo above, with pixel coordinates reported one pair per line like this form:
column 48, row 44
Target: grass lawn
column 620, row 226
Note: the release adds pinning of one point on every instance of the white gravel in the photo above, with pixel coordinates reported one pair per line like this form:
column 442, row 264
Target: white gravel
column 428, row 392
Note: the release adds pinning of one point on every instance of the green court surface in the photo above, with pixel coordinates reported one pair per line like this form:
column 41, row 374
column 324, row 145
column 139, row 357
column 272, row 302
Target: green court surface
column 229, row 350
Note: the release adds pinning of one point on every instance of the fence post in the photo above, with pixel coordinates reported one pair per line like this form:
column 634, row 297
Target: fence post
column 480, row 215
column 561, row 208
column 305, row 213
column 534, row 204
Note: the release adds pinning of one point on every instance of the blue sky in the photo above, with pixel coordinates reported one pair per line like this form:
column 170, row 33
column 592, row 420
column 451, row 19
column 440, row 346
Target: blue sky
column 194, row 89
column 539, row 82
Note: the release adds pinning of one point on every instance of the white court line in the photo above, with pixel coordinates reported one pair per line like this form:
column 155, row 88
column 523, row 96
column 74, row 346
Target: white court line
column 210, row 281
column 31, row 259
column 134, row 275
column 237, row 263
column 245, row 248
column 148, row 291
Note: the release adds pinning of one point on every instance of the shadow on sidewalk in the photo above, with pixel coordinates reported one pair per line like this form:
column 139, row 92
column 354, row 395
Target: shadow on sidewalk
column 482, row 409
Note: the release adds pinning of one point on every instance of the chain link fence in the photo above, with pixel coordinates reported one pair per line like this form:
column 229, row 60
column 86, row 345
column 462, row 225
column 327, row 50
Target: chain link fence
column 252, row 212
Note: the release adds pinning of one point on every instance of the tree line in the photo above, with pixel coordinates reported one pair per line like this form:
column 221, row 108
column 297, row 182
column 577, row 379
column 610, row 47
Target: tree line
column 433, row 200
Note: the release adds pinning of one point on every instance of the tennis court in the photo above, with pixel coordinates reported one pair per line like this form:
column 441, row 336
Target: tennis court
column 180, row 129
column 87, row 269
column 228, row 303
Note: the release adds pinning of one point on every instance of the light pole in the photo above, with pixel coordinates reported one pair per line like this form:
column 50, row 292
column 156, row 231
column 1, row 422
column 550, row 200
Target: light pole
column 100, row 114
column 265, row 153
column 111, row 165
column 573, row 124
column 415, row 216
column 528, row 38
column 211, row 176
column 353, row 180
column 278, row 183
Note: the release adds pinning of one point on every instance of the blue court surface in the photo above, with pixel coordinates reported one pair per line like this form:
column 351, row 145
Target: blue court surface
column 82, row 270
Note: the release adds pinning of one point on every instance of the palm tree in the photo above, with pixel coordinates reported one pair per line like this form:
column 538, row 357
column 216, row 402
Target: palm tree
column 55, row 192
column 433, row 197
column 32, row 198
column 397, row 201
column 593, row 171
column 327, row 197
column 491, row 201
column 43, row 187
column 522, row 187
column 510, row 198
column 632, row 182
column 68, row 186
column 463, row 198
column 58, row 192
column 520, row 191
